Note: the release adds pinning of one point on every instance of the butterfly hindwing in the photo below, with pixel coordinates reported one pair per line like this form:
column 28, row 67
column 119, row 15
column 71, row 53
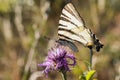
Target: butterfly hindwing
column 69, row 44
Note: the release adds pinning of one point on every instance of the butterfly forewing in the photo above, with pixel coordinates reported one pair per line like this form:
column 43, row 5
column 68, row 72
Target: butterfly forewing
column 70, row 18
column 71, row 25
column 72, row 28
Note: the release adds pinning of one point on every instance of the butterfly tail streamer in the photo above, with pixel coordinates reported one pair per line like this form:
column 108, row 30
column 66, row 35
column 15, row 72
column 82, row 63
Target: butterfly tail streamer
column 98, row 44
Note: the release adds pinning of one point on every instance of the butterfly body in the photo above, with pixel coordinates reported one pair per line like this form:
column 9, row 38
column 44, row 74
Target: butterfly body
column 72, row 29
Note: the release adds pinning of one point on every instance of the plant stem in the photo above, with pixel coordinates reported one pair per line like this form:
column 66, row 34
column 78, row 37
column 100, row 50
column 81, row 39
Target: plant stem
column 63, row 73
column 91, row 54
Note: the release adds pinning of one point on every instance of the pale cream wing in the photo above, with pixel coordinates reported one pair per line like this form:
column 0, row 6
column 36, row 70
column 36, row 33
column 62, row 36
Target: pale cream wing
column 70, row 19
column 71, row 26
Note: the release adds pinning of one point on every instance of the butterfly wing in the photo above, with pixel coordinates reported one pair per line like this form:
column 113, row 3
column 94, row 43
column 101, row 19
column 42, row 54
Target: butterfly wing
column 97, row 43
column 68, row 43
column 70, row 18
column 71, row 26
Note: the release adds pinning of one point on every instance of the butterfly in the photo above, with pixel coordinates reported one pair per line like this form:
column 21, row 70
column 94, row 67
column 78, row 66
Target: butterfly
column 72, row 29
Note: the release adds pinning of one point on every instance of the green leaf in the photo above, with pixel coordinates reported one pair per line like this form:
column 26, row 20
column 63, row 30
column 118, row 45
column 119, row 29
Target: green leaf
column 82, row 77
column 90, row 74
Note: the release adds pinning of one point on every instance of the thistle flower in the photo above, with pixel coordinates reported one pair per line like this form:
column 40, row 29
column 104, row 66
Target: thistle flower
column 57, row 59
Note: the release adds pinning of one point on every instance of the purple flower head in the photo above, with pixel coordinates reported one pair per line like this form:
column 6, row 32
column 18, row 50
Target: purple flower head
column 57, row 59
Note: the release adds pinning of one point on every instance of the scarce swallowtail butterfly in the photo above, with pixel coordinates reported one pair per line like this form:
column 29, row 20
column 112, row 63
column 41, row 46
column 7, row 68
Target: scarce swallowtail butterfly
column 72, row 29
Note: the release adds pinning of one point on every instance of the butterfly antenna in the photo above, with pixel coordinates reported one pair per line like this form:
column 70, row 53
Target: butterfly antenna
column 46, row 37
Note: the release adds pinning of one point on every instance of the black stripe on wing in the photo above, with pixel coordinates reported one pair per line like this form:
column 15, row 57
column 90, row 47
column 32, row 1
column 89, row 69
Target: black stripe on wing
column 70, row 31
column 67, row 38
column 65, row 15
column 62, row 29
column 64, row 19
column 68, row 10
column 76, row 15
column 62, row 25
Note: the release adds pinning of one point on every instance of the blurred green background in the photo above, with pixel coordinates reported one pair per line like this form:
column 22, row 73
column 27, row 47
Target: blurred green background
column 25, row 24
